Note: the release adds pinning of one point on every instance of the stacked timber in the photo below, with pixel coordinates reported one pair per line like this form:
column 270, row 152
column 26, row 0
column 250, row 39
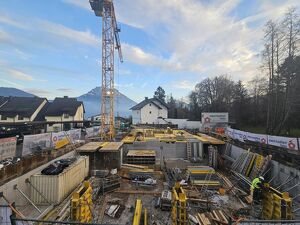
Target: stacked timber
column 215, row 217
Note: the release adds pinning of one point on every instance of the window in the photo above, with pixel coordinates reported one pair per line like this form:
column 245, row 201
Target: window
column 150, row 112
column 66, row 116
column 3, row 117
column 20, row 117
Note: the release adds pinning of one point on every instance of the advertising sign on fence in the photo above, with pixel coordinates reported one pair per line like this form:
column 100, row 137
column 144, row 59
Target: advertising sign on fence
column 8, row 147
column 285, row 142
column 60, row 139
column 74, row 135
column 36, row 142
column 214, row 117
column 261, row 138
column 92, row 131
column 240, row 135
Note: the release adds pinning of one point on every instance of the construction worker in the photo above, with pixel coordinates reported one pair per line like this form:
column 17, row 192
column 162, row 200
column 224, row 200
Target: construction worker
column 256, row 188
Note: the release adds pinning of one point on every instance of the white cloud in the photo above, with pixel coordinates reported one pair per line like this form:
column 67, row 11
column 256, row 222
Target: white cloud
column 19, row 75
column 10, row 83
column 184, row 84
column 201, row 38
column 80, row 3
column 38, row 92
column 4, row 19
column 118, row 85
column 84, row 37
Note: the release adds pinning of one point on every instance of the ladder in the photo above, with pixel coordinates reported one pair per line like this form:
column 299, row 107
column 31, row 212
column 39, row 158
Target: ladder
column 189, row 150
column 207, row 180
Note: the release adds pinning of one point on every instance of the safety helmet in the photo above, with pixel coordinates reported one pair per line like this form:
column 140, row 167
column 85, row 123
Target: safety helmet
column 261, row 178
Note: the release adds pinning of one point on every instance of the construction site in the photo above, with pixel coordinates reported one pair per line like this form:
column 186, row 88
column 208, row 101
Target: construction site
column 150, row 174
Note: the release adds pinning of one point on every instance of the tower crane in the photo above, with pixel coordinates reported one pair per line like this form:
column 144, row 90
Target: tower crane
column 110, row 42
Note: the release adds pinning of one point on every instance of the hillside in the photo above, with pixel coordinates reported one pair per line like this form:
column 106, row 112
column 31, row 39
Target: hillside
column 7, row 91
column 91, row 102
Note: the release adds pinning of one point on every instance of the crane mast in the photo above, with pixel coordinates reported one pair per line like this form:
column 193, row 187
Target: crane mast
column 110, row 42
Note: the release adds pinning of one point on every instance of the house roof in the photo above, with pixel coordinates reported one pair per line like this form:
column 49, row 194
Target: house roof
column 147, row 101
column 62, row 106
column 22, row 106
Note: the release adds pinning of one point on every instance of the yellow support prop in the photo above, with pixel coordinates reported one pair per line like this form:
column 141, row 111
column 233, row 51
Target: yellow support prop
column 137, row 212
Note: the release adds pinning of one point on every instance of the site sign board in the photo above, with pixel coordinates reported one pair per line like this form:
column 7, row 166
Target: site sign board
column 285, row 142
column 214, row 117
column 8, row 147
column 36, row 142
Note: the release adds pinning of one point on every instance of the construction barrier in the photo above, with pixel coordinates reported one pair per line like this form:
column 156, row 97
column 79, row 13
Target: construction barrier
column 38, row 142
column 8, row 147
column 290, row 143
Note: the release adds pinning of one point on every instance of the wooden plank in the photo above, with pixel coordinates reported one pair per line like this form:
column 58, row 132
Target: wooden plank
column 112, row 146
column 90, row 147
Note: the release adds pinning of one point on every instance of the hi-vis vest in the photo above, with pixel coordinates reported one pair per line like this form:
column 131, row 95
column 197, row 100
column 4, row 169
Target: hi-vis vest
column 255, row 183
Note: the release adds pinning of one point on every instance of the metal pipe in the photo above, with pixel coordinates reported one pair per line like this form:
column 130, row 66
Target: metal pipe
column 266, row 172
column 291, row 187
column 284, row 181
column 28, row 181
column 296, row 210
column 28, row 199
column 281, row 185
column 296, row 196
column 270, row 181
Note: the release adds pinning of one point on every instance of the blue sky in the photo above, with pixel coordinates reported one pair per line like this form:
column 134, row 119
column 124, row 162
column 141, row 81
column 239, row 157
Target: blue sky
column 52, row 47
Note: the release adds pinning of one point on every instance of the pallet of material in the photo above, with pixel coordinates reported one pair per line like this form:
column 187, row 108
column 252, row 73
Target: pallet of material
column 215, row 217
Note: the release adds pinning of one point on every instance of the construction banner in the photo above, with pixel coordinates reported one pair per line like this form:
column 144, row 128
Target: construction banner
column 74, row 135
column 36, row 142
column 229, row 132
column 8, row 147
column 285, row 142
column 261, row 138
column 60, row 139
column 92, row 131
column 240, row 135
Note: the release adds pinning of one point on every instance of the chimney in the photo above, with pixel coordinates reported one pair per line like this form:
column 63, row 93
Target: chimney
column 146, row 98
column 65, row 96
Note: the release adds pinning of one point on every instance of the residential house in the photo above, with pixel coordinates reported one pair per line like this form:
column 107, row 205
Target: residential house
column 149, row 111
column 21, row 109
column 64, row 109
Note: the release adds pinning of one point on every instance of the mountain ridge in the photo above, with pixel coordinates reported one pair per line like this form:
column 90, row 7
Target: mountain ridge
column 91, row 100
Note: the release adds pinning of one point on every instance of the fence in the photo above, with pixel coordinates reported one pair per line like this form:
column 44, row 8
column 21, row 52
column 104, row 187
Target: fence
column 37, row 142
column 17, row 221
column 290, row 143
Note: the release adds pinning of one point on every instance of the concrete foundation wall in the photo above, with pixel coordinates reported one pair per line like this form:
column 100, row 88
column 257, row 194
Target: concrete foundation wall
column 279, row 174
column 13, row 195
column 175, row 150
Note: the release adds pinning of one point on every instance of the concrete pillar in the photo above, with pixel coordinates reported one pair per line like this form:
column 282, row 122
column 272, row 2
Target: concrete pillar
column 200, row 150
column 195, row 154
